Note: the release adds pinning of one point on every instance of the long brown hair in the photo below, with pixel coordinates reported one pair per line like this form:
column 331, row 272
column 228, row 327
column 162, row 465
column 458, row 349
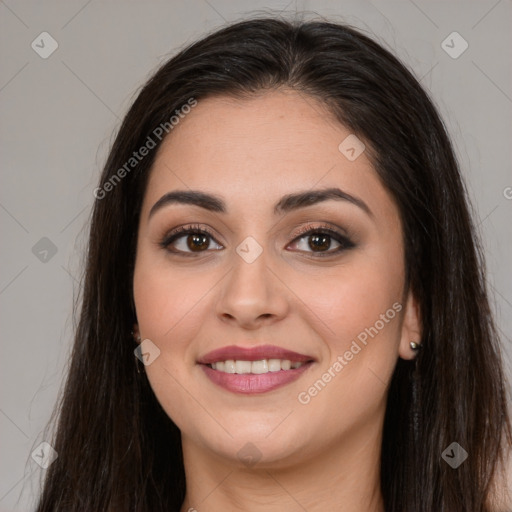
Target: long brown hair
column 118, row 450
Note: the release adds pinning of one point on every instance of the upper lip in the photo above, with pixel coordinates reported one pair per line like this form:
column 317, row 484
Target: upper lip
column 252, row 354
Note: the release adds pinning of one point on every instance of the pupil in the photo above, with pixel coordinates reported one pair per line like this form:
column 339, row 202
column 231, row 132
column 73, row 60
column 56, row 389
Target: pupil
column 196, row 243
column 316, row 244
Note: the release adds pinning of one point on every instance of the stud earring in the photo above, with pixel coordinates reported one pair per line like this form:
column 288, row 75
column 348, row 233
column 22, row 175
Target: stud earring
column 415, row 346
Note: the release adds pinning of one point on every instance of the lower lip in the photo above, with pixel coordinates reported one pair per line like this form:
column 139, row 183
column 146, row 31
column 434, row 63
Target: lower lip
column 248, row 383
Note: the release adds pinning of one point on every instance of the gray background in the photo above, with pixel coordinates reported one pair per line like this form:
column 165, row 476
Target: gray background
column 57, row 119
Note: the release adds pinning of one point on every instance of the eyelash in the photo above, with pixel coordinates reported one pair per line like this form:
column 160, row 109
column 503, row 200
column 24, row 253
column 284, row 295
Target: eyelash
column 345, row 243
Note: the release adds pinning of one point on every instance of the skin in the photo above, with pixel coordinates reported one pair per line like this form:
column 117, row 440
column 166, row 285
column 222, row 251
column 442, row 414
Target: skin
column 313, row 456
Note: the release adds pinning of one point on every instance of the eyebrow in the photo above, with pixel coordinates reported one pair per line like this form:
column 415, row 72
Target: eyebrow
column 286, row 204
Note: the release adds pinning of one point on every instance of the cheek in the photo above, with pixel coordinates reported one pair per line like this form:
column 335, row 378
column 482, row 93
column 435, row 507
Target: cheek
column 352, row 299
column 168, row 307
column 359, row 318
column 166, row 300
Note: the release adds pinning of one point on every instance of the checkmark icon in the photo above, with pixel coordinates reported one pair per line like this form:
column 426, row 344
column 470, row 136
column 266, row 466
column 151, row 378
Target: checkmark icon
column 147, row 352
column 249, row 249
column 454, row 455
column 249, row 455
column 44, row 455
column 44, row 250
column 351, row 147
column 44, row 45
column 454, row 45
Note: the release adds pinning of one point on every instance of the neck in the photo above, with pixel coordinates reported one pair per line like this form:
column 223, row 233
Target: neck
column 343, row 477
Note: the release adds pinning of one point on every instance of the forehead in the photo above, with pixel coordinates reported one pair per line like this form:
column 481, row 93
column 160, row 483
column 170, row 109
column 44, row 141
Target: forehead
column 255, row 150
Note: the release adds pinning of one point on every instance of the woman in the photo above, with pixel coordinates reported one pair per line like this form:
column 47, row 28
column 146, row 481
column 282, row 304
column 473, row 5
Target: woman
column 282, row 238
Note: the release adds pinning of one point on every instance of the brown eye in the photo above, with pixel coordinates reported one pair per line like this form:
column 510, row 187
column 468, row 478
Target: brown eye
column 188, row 240
column 319, row 240
column 197, row 241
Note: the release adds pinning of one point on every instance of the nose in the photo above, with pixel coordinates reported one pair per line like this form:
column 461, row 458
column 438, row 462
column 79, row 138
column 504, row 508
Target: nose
column 252, row 295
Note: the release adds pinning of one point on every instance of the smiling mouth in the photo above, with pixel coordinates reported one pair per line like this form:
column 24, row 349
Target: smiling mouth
column 254, row 377
column 254, row 370
column 256, row 367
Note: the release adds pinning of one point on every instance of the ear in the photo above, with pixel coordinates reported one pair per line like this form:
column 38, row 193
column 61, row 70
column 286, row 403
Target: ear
column 136, row 333
column 411, row 327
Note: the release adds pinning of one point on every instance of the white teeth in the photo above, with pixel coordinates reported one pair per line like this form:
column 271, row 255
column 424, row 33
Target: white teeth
column 255, row 367
column 243, row 366
column 229, row 366
column 259, row 366
column 274, row 365
column 286, row 364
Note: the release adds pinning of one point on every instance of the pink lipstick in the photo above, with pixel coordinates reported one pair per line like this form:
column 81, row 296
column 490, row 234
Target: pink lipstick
column 254, row 370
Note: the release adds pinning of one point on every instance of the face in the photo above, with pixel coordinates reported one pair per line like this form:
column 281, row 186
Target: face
column 308, row 296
